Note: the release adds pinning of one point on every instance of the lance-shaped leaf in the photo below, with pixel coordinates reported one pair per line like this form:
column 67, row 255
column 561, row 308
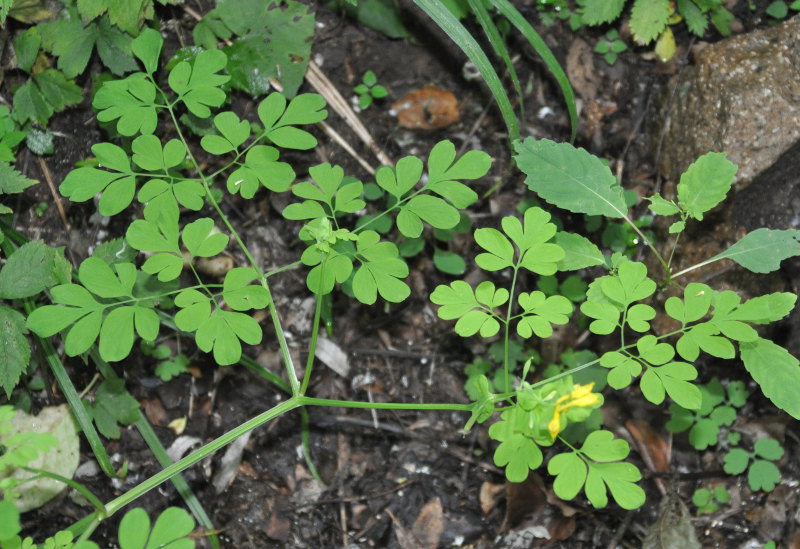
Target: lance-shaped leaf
column 473, row 309
column 579, row 252
column 117, row 182
column 541, row 312
column 705, row 184
column 762, row 250
column 279, row 119
column 380, row 272
column 570, row 178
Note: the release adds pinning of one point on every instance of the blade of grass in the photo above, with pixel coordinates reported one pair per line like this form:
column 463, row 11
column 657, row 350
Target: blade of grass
column 515, row 18
column 461, row 36
column 499, row 46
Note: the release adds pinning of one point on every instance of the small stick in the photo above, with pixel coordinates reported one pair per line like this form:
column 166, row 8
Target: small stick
column 49, row 178
column 333, row 134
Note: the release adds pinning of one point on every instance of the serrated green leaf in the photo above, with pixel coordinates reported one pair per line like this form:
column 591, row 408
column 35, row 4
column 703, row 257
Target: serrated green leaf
column 705, row 184
column 14, row 348
column 579, row 252
column 32, row 268
column 648, row 19
column 764, row 309
column 26, row 48
column 762, row 250
column 776, row 371
column 570, row 178
column 696, row 20
column 12, row 181
column 661, row 206
column 45, row 93
column 597, row 12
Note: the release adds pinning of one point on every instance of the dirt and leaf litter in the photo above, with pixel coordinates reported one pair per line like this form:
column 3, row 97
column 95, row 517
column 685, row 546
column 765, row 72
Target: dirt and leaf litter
column 401, row 479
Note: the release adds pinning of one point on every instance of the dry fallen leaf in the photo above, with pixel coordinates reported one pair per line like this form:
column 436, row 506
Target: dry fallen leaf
column 489, row 495
column 428, row 108
column 426, row 531
column 673, row 529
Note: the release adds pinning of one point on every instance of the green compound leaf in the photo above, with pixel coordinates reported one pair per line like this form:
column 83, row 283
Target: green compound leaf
column 674, row 379
column 570, row 472
column 399, row 180
column 474, row 310
column 198, row 83
column 736, row 461
column 638, row 317
column 768, row 448
column 159, row 235
column 202, row 239
column 531, row 239
column 623, row 369
column 233, row 132
column 694, row 306
column 279, row 119
column 763, row 475
column 218, row 331
column 261, row 167
column 14, row 348
column 330, row 187
column 630, row 284
column 171, row 530
column 620, row 479
column 32, row 268
column 704, row 336
column 131, row 101
column 648, row 19
column 445, row 171
column 90, row 319
column 696, row 20
column 776, row 371
column 540, row 313
column 380, row 272
column 705, row 184
column 579, row 252
column 762, row 250
column 147, row 47
column 118, row 187
column 239, row 294
column 606, row 317
column 597, row 12
column 516, row 452
column 149, row 155
column 570, row 178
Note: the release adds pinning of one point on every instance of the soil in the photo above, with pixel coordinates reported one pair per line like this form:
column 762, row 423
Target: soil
column 409, row 480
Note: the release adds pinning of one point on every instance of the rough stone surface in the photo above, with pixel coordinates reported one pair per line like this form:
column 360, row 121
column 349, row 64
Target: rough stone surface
column 742, row 97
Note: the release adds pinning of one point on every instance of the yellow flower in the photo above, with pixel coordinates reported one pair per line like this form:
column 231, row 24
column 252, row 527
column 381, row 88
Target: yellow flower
column 580, row 396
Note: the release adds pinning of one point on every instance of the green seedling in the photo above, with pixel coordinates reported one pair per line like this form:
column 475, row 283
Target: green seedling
column 717, row 409
column 780, row 9
column 369, row 90
column 707, row 500
column 610, row 46
column 762, row 473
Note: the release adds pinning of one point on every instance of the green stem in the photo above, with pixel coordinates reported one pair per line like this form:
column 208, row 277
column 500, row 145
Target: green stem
column 312, row 346
column 195, row 457
column 507, row 329
column 77, row 486
column 649, row 244
column 312, row 401
column 282, row 269
column 273, row 313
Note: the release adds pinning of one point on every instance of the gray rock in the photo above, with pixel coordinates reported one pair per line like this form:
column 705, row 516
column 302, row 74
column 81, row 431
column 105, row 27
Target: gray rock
column 742, row 97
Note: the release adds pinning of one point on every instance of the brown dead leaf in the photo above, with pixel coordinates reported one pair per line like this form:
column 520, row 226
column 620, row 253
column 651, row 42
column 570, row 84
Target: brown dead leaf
column 580, row 70
column 561, row 527
column 154, row 411
column 426, row 531
column 673, row 529
column 652, row 446
column 523, row 499
column 428, row 108
column 489, row 495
